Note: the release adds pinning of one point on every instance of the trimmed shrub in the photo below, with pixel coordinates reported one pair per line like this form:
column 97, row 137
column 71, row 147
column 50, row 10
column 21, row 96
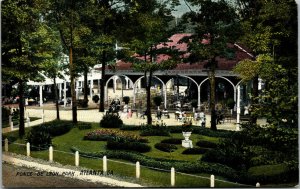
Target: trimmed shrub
column 195, row 151
column 111, row 121
column 57, row 128
column 119, row 144
column 165, row 147
column 180, row 165
column 96, row 98
column 157, row 100
column 84, row 126
column 203, row 131
column 150, row 130
column 206, row 144
column 39, row 138
column 172, row 141
column 106, row 134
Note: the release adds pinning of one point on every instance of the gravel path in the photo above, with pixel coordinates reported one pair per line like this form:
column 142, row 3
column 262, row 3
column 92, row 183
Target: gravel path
column 52, row 170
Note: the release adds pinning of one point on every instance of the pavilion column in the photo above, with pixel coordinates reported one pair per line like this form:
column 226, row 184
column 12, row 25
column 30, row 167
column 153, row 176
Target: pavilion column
column 65, row 93
column 59, row 85
column 126, row 83
column 114, row 84
column 41, row 95
column 238, row 107
column 234, row 98
column 199, row 96
column 134, row 91
column 91, row 88
column 165, row 95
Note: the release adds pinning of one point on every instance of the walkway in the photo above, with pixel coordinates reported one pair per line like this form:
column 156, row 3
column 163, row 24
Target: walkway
column 95, row 116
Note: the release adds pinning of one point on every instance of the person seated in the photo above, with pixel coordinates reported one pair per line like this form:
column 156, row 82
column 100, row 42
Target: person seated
column 166, row 113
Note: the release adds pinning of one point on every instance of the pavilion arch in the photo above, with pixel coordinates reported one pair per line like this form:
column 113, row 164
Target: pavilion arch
column 164, row 88
column 234, row 88
column 110, row 78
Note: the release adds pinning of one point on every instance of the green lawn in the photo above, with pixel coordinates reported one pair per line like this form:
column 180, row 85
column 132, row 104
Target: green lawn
column 149, row 177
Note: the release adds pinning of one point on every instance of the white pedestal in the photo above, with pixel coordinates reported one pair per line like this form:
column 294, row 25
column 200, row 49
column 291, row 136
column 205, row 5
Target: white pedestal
column 187, row 143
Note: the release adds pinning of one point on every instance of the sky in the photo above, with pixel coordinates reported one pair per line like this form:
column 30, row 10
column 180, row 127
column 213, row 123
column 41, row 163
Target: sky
column 183, row 8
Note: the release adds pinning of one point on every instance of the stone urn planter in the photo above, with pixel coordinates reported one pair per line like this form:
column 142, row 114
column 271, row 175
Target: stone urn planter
column 187, row 143
column 186, row 135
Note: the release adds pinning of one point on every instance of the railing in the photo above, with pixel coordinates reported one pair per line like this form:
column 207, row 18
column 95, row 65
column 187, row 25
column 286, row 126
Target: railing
column 134, row 172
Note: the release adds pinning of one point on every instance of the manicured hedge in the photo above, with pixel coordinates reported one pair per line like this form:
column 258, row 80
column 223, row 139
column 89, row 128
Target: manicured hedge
column 124, row 145
column 39, row 138
column 111, row 121
column 195, row 151
column 150, row 130
column 206, row 144
column 172, row 141
column 57, row 128
column 165, row 147
column 179, row 165
column 203, row 131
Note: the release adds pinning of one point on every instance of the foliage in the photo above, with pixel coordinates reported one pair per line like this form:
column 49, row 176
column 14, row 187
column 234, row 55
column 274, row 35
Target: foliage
column 96, row 98
column 230, row 103
column 172, row 141
column 126, row 99
column 165, row 147
column 194, row 103
column 130, row 128
column 82, row 103
column 278, row 173
column 83, row 126
column 39, row 138
column 182, row 166
column 157, row 100
column 57, row 128
column 206, row 144
column 105, row 134
column 186, row 127
column 111, row 121
column 150, row 130
column 195, row 151
column 117, row 143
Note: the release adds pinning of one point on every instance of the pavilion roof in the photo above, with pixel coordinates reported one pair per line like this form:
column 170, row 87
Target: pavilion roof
column 240, row 51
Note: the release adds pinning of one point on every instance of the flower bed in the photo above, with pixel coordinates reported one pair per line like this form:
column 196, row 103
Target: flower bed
column 106, row 134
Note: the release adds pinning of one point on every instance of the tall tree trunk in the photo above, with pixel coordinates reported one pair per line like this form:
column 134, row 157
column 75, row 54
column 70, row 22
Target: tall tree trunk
column 73, row 92
column 148, row 87
column 56, row 99
column 254, row 99
column 21, row 107
column 85, row 88
column 102, row 82
column 212, row 80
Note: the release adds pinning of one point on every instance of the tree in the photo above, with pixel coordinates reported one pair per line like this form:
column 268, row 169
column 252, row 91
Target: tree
column 270, row 30
column 24, row 49
column 146, row 27
column 215, row 24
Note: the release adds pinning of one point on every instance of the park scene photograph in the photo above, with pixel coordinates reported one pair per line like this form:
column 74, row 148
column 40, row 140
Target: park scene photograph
column 149, row 93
